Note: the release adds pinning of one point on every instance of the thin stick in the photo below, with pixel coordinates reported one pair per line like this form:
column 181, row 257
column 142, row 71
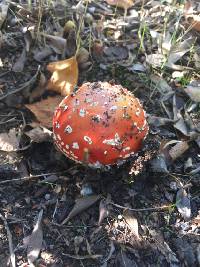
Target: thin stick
column 79, row 257
column 12, row 254
column 26, row 178
column 143, row 209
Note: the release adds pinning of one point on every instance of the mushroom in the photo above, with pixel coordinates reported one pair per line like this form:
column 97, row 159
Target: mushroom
column 100, row 124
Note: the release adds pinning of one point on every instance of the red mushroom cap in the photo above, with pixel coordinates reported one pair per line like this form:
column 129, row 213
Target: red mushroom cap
column 104, row 120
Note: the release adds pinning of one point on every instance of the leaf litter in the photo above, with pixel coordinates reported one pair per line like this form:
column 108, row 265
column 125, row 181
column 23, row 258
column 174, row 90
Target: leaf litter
column 152, row 49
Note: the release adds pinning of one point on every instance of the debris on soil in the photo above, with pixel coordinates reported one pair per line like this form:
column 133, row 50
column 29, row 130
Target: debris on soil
column 56, row 212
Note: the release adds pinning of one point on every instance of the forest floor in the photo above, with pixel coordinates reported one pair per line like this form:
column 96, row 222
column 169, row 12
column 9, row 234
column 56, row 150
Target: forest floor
column 57, row 213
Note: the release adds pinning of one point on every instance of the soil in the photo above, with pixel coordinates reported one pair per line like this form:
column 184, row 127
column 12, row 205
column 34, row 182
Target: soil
column 135, row 220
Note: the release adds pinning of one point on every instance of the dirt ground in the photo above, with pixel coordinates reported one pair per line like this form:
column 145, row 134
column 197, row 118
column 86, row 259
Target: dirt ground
column 57, row 213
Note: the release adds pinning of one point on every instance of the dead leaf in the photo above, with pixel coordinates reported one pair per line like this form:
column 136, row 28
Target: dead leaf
column 41, row 54
column 44, row 110
column 178, row 118
column 125, row 4
column 123, row 260
column 161, row 85
column 159, row 164
column 192, row 20
column 103, row 210
column 3, row 12
column 193, row 92
column 34, row 241
column 39, row 134
column 39, row 89
column 28, row 40
column 132, row 222
column 183, row 203
column 178, row 150
column 64, row 76
column 155, row 60
column 57, row 43
column 19, row 64
column 178, row 51
column 9, row 141
column 81, row 205
column 158, row 121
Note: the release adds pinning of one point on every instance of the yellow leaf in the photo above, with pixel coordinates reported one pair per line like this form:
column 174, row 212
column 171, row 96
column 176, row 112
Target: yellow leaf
column 125, row 4
column 64, row 76
column 44, row 109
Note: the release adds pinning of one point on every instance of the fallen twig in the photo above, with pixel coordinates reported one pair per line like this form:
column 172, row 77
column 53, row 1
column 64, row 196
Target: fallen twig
column 25, row 85
column 165, row 207
column 26, row 178
column 80, row 257
column 12, row 254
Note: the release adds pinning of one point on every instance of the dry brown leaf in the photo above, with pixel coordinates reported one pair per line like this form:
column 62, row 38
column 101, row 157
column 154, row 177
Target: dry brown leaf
column 44, row 110
column 125, row 4
column 132, row 222
column 64, row 76
column 9, row 141
column 34, row 241
column 192, row 20
column 39, row 89
column 195, row 23
column 178, row 150
column 39, row 134
column 20, row 62
column 183, row 203
column 81, row 205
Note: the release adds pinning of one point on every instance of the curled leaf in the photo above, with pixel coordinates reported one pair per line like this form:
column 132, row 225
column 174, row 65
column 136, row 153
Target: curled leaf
column 44, row 110
column 64, row 76
column 81, row 205
column 178, row 150
column 193, row 92
column 34, row 241
column 183, row 203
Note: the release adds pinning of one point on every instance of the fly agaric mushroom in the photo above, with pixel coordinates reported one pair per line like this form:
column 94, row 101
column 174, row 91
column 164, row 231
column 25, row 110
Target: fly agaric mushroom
column 100, row 124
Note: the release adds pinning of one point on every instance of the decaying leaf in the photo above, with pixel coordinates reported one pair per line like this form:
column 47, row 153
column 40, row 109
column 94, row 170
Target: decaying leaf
column 159, row 164
column 44, row 110
column 39, row 134
column 132, row 222
column 42, row 53
column 123, row 260
column 161, row 85
column 178, row 118
column 193, row 20
column 39, row 89
column 193, row 92
column 125, row 4
column 183, row 203
column 64, row 76
column 3, row 12
column 34, row 241
column 9, row 141
column 196, row 22
column 178, row 51
column 19, row 64
column 103, row 210
column 169, row 58
column 158, row 121
column 178, row 150
column 81, row 205
column 57, row 43
column 156, row 60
